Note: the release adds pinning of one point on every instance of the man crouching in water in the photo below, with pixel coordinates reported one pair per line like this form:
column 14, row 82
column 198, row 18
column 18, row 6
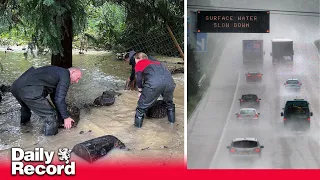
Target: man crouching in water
column 157, row 81
column 32, row 88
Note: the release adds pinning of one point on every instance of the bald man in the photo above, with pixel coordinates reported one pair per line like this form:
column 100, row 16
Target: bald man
column 32, row 88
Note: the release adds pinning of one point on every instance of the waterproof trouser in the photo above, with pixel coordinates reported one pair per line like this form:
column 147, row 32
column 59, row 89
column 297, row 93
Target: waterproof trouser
column 150, row 96
column 31, row 98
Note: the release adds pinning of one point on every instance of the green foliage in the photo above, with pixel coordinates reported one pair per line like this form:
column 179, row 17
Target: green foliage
column 106, row 23
column 44, row 19
column 147, row 18
column 193, row 74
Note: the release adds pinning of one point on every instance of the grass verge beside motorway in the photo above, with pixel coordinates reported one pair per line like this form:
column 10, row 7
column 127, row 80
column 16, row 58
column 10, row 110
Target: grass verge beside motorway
column 194, row 100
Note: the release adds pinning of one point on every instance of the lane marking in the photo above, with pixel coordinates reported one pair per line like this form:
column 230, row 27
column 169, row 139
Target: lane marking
column 315, row 48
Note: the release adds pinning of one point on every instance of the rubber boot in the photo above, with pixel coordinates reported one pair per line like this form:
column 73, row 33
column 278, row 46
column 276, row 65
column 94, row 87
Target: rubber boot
column 139, row 118
column 51, row 126
column 25, row 118
column 171, row 112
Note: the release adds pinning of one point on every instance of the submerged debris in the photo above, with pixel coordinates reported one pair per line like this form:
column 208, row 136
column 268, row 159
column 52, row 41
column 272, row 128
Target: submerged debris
column 157, row 110
column 5, row 88
column 74, row 113
column 145, row 148
column 177, row 70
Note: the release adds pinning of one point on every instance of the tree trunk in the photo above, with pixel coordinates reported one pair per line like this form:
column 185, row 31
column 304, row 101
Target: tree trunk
column 175, row 41
column 65, row 61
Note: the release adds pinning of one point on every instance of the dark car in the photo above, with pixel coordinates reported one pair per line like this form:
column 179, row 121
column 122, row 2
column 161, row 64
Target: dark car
column 254, row 77
column 297, row 111
column 245, row 147
column 248, row 113
column 249, row 100
column 293, row 84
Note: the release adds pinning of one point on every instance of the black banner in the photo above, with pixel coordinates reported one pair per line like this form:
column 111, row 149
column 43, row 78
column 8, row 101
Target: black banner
column 233, row 21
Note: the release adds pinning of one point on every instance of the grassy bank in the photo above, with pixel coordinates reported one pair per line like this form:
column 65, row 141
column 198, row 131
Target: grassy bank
column 193, row 102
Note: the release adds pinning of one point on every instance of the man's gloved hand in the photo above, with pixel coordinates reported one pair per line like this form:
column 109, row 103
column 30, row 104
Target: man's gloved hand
column 68, row 123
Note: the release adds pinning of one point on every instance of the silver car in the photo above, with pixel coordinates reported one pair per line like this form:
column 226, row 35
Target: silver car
column 245, row 147
column 293, row 84
column 248, row 113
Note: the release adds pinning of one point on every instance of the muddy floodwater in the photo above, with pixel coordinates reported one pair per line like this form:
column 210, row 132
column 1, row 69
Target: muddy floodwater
column 157, row 140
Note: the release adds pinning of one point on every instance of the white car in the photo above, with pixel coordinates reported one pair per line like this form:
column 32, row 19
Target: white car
column 293, row 84
column 248, row 113
column 245, row 147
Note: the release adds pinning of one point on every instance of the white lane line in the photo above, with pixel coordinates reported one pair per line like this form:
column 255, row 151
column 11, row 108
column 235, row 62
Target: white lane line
column 315, row 48
column 226, row 125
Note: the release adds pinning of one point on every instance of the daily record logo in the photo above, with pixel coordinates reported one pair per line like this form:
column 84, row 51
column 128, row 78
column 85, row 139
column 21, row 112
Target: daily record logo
column 40, row 155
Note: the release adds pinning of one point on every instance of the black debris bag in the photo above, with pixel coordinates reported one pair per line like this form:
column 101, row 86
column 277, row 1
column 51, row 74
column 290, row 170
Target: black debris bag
column 96, row 148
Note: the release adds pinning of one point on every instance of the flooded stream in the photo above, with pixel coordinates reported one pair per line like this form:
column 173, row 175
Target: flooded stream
column 101, row 71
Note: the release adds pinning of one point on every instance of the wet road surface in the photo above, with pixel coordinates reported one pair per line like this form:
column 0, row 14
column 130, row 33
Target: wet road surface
column 213, row 125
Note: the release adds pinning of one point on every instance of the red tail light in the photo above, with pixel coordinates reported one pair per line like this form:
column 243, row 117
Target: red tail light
column 257, row 100
column 256, row 116
column 284, row 119
column 257, row 150
column 239, row 115
column 259, row 74
column 241, row 100
column 308, row 119
column 248, row 75
column 232, row 150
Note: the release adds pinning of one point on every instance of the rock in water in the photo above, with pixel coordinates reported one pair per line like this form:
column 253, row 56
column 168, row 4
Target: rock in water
column 75, row 114
column 96, row 148
column 177, row 70
column 4, row 88
column 157, row 110
column 106, row 99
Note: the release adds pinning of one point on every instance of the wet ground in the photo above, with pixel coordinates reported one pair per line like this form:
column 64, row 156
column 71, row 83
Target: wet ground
column 157, row 138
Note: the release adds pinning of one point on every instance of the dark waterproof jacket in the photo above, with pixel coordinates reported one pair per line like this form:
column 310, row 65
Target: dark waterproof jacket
column 51, row 80
column 132, row 62
column 153, row 73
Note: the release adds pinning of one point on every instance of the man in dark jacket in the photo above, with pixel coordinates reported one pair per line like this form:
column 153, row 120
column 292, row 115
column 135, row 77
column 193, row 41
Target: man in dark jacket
column 129, row 57
column 157, row 81
column 32, row 88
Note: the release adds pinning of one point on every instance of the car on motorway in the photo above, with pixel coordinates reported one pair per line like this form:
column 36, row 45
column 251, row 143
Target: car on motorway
column 293, row 84
column 248, row 113
column 297, row 111
column 245, row 147
column 254, row 77
column 249, row 101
